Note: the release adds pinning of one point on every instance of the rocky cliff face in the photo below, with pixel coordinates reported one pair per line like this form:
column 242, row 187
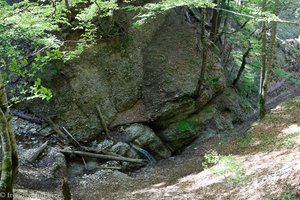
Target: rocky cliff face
column 148, row 76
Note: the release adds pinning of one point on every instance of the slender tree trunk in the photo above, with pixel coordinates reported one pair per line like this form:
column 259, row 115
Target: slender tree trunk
column 216, row 22
column 68, row 4
column 271, row 56
column 262, row 90
column 9, row 168
column 242, row 68
column 272, row 48
column 267, row 67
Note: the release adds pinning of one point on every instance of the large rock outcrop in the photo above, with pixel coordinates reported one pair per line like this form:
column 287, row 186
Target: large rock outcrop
column 147, row 76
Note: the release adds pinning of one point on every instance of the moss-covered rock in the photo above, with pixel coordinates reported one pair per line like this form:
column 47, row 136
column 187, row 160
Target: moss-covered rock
column 183, row 132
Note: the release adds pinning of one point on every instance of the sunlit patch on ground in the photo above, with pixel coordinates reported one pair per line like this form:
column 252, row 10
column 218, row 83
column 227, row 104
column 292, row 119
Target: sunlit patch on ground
column 294, row 128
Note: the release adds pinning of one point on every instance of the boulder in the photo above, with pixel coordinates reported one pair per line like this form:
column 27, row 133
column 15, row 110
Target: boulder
column 58, row 168
column 183, row 132
column 46, row 172
column 109, row 74
column 145, row 137
column 125, row 150
column 145, row 76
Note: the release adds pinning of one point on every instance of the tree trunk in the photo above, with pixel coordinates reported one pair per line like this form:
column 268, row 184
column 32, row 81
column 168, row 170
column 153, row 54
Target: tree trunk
column 9, row 148
column 272, row 48
column 267, row 69
column 271, row 55
column 242, row 68
column 262, row 90
column 215, row 22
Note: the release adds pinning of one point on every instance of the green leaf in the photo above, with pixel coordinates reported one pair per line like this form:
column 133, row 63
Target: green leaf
column 24, row 62
column 38, row 82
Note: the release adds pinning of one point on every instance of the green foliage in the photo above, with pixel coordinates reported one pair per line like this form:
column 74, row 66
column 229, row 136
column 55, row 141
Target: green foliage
column 96, row 10
column 294, row 80
column 27, row 45
column 211, row 158
column 287, row 196
column 282, row 74
column 227, row 166
column 35, row 91
column 212, row 80
column 150, row 10
column 252, row 9
column 30, row 39
column 24, row 90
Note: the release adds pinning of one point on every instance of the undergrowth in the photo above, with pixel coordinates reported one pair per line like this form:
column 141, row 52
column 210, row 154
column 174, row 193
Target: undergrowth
column 227, row 166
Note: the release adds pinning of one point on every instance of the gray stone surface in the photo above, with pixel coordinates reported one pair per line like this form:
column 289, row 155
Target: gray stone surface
column 147, row 76
column 59, row 165
column 150, row 75
column 145, row 137
column 183, row 132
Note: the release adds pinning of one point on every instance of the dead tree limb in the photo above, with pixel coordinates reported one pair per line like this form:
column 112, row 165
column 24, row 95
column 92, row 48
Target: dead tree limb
column 106, row 157
column 108, row 167
column 85, row 165
column 37, row 152
column 77, row 143
column 56, row 128
column 103, row 123
column 26, row 117
column 95, row 150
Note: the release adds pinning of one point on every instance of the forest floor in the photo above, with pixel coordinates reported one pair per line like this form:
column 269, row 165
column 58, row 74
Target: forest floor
column 263, row 163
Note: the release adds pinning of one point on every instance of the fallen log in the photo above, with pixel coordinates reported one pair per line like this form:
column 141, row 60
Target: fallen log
column 102, row 156
column 108, row 167
column 56, row 128
column 37, row 152
column 30, row 118
column 98, row 151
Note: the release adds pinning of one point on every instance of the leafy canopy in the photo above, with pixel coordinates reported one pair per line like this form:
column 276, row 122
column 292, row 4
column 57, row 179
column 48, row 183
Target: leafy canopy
column 31, row 39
